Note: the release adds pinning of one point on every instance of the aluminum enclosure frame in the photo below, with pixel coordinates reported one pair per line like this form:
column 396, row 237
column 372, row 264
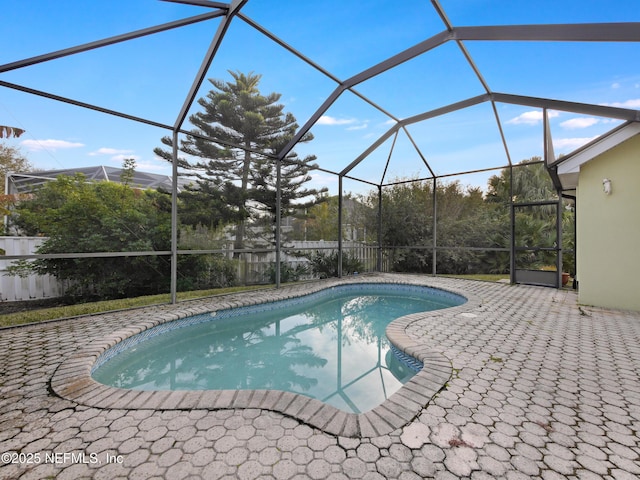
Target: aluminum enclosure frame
column 229, row 12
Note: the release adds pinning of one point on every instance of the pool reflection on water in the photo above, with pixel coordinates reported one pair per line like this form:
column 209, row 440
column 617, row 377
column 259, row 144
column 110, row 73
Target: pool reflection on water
column 330, row 348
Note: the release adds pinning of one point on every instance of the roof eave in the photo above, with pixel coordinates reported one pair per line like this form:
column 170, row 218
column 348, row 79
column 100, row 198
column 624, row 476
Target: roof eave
column 568, row 167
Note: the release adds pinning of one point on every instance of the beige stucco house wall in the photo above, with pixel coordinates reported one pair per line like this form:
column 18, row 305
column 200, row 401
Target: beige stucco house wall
column 608, row 226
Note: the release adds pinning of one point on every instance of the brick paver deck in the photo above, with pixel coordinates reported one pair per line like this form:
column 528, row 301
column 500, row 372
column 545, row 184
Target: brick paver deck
column 536, row 387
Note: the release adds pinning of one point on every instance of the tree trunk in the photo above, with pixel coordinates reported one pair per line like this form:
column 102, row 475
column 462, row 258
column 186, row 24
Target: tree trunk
column 241, row 227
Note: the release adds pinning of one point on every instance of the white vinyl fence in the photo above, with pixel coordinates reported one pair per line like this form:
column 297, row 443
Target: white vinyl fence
column 33, row 287
column 252, row 268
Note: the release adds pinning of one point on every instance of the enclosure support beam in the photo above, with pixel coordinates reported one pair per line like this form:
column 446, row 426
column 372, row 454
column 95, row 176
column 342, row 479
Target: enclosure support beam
column 200, row 3
column 567, row 106
column 174, row 219
column 278, row 219
column 381, row 67
column 476, row 70
column 549, row 158
column 415, row 119
column 512, row 247
column 108, row 41
column 126, row 116
column 573, row 32
column 418, row 151
column 311, row 63
column 379, row 259
column 559, row 266
column 340, row 205
column 386, row 166
column 575, row 244
column 434, row 257
column 206, row 62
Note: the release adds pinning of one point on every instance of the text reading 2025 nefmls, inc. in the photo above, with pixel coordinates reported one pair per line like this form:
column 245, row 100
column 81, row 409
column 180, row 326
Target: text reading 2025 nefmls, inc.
column 36, row 458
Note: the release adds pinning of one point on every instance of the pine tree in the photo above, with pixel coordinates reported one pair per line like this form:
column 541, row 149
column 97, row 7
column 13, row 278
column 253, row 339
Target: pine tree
column 248, row 129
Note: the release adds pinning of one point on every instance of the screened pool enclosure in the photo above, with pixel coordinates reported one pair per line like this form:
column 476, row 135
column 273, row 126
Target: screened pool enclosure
column 424, row 127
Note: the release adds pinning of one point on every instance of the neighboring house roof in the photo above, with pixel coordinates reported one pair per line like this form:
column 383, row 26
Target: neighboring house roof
column 27, row 182
column 568, row 167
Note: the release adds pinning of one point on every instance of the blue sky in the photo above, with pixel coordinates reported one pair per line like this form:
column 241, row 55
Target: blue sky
column 150, row 77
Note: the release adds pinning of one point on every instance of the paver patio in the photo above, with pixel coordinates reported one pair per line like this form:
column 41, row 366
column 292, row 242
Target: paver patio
column 539, row 388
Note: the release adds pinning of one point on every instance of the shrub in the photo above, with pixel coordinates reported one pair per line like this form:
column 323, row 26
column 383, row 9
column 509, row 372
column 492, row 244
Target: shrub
column 201, row 272
column 325, row 265
column 288, row 272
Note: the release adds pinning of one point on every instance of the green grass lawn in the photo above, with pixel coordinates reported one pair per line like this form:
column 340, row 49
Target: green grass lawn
column 52, row 313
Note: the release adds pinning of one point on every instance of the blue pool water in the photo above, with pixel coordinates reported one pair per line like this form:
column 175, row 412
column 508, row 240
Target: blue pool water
column 330, row 345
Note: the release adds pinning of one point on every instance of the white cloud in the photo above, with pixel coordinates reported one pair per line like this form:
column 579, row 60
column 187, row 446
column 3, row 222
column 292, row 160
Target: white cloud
column 632, row 103
column 110, row 151
column 145, row 167
column 116, row 155
column 532, row 117
column 50, row 144
column 571, row 143
column 358, row 127
column 576, row 123
column 615, row 85
column 327, row 120
column 319, row 180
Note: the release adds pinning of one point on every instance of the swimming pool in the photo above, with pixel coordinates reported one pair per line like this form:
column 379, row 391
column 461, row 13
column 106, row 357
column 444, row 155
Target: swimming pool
column 329, row 345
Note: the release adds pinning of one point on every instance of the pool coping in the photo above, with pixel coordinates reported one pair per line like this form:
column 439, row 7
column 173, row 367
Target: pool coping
column 72, row 379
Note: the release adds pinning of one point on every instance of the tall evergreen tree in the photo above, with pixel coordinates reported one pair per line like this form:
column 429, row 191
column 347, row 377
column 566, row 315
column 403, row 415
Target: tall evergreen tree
column 248, row 129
